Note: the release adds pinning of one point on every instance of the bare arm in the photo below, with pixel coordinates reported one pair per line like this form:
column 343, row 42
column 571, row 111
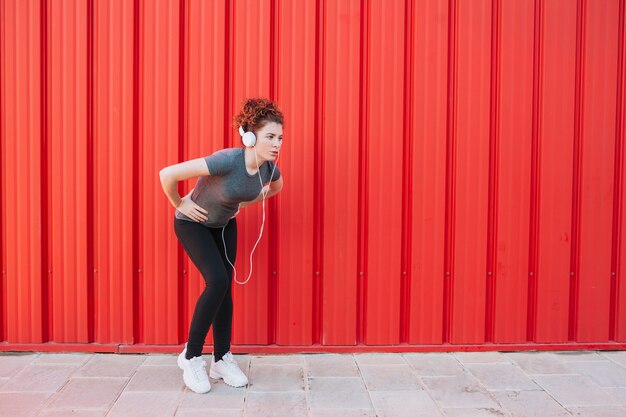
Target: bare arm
column 171, row 175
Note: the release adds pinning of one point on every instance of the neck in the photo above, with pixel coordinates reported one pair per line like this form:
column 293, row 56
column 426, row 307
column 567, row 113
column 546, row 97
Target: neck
column 251, row 159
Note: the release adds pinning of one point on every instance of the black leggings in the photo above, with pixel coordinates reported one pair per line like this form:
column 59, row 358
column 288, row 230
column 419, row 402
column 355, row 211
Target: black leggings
column 215, row 305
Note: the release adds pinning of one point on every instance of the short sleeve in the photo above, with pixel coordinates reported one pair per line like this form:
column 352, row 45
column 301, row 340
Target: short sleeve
column 219, row 163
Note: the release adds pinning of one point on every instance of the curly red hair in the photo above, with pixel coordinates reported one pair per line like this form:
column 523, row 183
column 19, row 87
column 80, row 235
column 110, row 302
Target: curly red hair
column 256, row 112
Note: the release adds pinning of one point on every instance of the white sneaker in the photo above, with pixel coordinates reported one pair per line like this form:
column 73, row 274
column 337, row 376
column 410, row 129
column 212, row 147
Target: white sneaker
column 194, row 372
column 228, row 370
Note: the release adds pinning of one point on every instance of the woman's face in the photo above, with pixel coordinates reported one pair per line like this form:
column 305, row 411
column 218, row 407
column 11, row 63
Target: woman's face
column 269, row 139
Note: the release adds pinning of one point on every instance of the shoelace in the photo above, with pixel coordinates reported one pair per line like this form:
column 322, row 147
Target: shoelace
column 198, row 367
column 230, row 361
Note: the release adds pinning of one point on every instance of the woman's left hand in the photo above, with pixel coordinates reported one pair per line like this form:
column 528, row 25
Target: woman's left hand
column 237, row 212
column 262, row 194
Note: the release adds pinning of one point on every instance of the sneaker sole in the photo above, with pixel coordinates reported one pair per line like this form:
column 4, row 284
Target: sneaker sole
column 215, row 375
column 180, row 365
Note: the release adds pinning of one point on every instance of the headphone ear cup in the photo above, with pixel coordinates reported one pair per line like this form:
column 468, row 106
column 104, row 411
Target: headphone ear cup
column 248, row 139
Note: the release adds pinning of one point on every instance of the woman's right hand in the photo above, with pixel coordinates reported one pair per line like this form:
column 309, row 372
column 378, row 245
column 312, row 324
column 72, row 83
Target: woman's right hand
column 191, row 209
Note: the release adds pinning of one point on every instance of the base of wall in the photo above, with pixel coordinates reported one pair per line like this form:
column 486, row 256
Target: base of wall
column 276, row 349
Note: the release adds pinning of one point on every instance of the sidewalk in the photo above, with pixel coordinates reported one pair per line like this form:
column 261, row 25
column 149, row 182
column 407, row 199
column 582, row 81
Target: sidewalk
column 520, row 384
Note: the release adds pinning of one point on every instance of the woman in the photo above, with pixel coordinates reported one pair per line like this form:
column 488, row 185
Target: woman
column 206, row 226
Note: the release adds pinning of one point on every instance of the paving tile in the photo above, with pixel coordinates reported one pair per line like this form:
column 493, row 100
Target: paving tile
column 213, row 413
column 617, row 356
column 157, row 378
column 501, row 376
column 22, row 404
column 379, row 358
column 276, row 378
column 343, row 412
column 221, row 396
column 76, row 359
column 88, row 393
column 530, row 404
column 404, row 404
column 44, row 378
column 338, row 392
column 589, row 383
column 534, row 363
column 458, row 391
column 434, row 364
column 618, row 393
column 331, row 365
column 481, row 357
column 275, row 404
column 389, row 377
column 575, row 390
column 163, row 359
column 476, row 412
column 12, row 362
column 604, row 373
column 112, row 365
column 600, row 411
column 575, row 355
column 145, row 404
column 74, row 413
column 276, row 359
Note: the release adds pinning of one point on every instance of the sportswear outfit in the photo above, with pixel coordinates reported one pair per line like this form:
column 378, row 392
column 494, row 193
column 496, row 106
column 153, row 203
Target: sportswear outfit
column 220, row 193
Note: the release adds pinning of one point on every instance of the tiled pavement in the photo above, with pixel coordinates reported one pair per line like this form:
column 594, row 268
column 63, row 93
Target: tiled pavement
column 476, row 384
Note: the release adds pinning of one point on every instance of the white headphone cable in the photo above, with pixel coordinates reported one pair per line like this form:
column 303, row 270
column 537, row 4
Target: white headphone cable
column 262, row 223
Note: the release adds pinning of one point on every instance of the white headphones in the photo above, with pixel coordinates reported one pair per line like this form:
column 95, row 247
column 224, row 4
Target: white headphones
column 248, row 138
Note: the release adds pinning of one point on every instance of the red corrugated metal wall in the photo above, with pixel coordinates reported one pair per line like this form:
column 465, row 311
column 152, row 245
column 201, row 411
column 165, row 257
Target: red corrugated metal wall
column 453, row 171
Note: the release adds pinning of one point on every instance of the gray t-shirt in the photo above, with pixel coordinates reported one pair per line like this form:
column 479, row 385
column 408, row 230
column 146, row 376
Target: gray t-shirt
column 228, row 185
